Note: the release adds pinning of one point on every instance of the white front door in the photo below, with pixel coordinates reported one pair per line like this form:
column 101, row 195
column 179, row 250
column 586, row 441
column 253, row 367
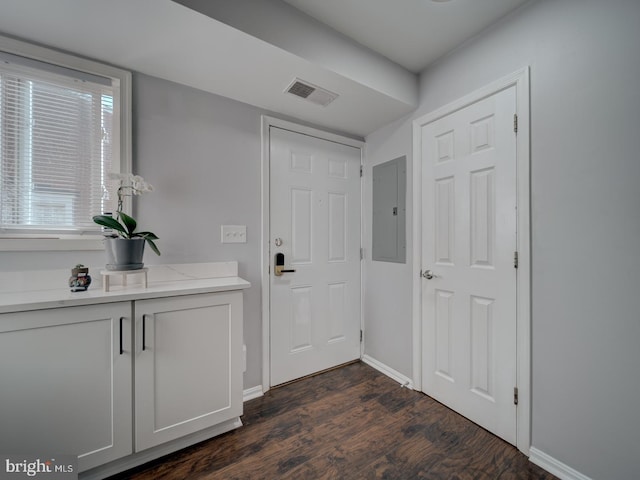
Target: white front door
column 468, row 245
column 315, row 225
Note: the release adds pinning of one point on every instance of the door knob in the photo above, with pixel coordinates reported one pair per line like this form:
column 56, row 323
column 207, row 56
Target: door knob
column 428, row 274
column 279, row 266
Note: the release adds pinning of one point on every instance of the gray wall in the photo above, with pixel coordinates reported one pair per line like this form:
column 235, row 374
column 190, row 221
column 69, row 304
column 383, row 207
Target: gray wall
column 585, row 117
column 201, row 152
column 387, row 303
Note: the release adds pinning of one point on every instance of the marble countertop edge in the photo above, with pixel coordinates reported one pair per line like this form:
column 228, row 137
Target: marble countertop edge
column 171, row 281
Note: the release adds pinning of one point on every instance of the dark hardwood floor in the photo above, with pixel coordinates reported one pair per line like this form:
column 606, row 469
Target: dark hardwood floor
column 349, row 423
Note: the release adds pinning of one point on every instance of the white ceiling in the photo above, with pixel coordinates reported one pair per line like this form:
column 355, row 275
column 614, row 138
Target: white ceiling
column 167, row 40
column 412, row 33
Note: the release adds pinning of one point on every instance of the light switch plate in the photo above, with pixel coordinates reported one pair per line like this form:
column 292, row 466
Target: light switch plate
column 234, row 233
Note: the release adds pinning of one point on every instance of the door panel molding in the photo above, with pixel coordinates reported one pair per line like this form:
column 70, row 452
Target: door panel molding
column 519, row 79
column 267, row 123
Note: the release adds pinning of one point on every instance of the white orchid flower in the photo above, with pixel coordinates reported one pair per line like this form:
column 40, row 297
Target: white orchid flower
column 129, row 184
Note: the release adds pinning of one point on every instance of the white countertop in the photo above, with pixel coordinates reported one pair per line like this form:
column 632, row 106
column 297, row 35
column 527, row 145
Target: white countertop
column 164, row 281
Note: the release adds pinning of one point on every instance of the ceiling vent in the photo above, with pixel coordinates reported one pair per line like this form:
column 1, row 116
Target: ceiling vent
column 311, row 93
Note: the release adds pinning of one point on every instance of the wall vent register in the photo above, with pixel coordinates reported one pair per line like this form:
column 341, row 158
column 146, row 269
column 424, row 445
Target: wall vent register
column 310, row 92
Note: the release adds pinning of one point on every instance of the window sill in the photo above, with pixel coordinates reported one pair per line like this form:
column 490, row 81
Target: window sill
column 51, row 244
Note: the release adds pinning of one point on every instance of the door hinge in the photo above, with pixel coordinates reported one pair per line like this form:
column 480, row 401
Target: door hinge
column 361, row 253
column 361, row 170
column 515, row 395
column 361, row 336
column 515, row 123
column 515, row 259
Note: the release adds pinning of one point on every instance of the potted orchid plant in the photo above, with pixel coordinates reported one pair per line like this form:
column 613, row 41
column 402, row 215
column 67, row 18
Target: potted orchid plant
column 125, row 245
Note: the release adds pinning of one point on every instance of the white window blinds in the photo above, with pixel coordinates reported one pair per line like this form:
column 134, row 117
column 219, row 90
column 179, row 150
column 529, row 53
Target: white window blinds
column 56, row 146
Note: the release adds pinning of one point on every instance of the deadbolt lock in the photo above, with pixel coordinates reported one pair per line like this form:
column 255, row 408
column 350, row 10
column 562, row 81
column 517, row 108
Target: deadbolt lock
column 279, row 269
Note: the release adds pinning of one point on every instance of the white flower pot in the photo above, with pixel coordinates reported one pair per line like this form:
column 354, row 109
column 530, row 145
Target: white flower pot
column 124, row 253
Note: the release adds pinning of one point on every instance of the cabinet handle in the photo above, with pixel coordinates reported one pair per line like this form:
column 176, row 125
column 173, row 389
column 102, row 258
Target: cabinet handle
column 144, row 332
column 121, row 349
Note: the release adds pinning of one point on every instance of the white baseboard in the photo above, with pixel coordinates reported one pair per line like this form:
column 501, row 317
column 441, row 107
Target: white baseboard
column 251, row 393
column 556, row 467
column 388, row 371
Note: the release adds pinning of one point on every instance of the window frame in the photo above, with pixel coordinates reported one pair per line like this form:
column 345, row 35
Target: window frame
column 122, row 137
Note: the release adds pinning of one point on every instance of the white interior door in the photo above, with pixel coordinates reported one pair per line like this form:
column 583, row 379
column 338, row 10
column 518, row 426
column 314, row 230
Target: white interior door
column 315, row 224
column 468, row 245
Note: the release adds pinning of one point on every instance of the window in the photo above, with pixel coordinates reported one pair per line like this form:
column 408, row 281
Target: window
column 61, row 134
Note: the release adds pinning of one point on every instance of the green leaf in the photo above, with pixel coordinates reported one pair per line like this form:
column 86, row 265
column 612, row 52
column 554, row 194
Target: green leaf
column 150, row 237
column 153, row 246
column 147, row 235
column 109, row 222
column 128, row 221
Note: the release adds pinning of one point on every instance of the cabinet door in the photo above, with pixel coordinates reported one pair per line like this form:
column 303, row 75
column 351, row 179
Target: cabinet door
column 188, row 365
column 66, row 382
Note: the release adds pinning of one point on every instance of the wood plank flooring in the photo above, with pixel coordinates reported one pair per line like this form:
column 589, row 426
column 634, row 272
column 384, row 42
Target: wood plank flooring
column 349, row 423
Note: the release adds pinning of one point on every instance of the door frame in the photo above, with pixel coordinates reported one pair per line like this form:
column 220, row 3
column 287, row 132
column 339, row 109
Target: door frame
column 265, row 261
column 519, row 79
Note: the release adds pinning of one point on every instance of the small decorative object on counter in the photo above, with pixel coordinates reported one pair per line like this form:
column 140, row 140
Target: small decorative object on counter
column 80, row 278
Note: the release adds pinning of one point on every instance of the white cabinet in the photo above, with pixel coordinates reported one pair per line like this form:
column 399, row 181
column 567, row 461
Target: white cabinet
column 188, row 365
column 65, row 382
column 71, row 378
